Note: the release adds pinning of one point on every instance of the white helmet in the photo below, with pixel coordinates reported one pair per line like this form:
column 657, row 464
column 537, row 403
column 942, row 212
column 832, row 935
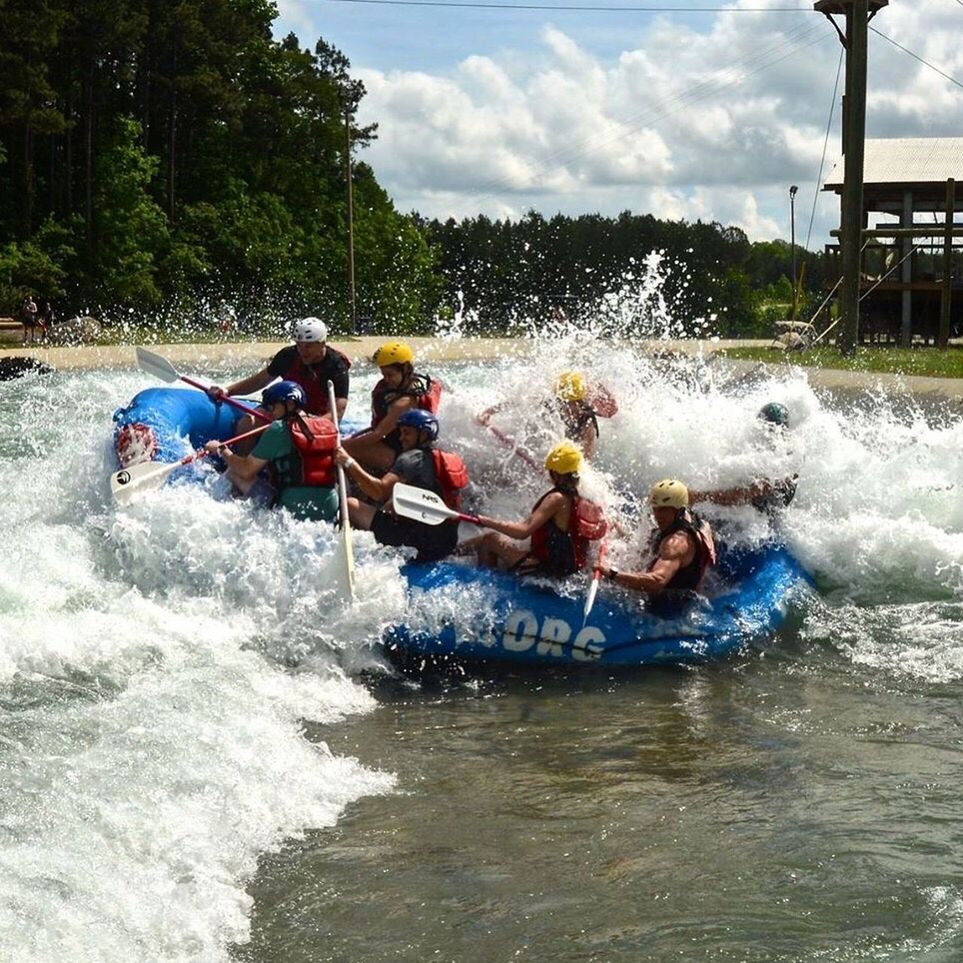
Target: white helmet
column 310, row 329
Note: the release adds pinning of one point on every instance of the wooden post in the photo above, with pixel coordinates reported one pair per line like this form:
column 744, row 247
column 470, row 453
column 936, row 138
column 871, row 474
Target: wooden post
column 946, row 299
column 857, row 16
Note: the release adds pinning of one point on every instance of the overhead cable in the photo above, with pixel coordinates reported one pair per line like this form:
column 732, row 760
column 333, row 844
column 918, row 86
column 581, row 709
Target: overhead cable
column 926, row 63
column 477, row 5
column 822, row 161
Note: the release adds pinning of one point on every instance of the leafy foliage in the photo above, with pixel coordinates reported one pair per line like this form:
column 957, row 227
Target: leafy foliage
column 186, row 156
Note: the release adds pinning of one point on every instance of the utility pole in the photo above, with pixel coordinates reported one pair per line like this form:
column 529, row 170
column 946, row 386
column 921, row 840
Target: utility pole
column 858, row 13
column 352, row 304
column 792, row 244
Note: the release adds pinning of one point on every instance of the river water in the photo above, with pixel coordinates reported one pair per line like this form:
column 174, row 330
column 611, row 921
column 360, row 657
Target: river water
column 205, row 756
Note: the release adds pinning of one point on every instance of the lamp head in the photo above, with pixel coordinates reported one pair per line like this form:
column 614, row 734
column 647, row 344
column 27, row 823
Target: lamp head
column 792, row 190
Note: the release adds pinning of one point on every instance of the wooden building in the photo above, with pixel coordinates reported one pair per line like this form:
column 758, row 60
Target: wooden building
column 911, row 282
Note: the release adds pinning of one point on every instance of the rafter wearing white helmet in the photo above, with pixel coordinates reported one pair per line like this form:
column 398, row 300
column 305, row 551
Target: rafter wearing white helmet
column 310, row 329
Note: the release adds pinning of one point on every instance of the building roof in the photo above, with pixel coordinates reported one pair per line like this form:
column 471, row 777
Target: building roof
column 907, row 160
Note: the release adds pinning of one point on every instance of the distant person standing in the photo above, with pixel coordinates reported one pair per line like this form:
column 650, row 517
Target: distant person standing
column 226, row 318
column 47, row 318
column 28, row 312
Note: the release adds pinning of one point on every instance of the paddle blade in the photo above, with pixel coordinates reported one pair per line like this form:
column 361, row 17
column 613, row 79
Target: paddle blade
column 155, row 365
column 420, row 504
column 148, row 475
column 593, row 589
column 590, row 598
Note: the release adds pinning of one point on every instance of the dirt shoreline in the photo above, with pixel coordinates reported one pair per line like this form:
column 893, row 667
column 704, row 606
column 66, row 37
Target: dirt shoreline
column 198, row 357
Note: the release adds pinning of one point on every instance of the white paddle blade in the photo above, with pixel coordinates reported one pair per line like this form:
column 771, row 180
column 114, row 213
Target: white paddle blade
column 420, row 504
column 161, row 368
column 590, row 598
column 155, row 365
column 124, row 484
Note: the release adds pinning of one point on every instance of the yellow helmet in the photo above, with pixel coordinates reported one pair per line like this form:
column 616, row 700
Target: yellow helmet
column 571, row 386
column 394, row 352
column 669, row 493
column 564, row 459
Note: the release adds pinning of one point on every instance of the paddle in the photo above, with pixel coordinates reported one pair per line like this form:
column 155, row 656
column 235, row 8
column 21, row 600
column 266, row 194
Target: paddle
column 425, row 506
column 594, row 586
column 161, row 368
column 150, row 475
column 509, row 442
column 343, row 501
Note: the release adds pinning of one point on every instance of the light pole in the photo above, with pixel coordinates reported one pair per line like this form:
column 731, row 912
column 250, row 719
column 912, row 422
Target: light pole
column 792, row 245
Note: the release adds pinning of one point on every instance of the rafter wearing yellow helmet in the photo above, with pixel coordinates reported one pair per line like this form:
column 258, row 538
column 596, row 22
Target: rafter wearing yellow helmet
column 561, row 525
column 393, row 352
column 571, row 386
column 564, row 459
column 400, row 389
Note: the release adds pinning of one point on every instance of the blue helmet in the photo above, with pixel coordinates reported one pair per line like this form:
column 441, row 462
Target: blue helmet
column 422, row 420
column 284, row 391
column 775, row 414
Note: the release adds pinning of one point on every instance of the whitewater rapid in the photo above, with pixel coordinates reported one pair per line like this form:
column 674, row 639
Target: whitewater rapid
column 158, row 661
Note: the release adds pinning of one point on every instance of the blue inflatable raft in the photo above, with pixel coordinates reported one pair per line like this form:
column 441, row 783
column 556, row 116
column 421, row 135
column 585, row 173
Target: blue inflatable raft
column 476, row 615
column 460, row 613
column 160, row 424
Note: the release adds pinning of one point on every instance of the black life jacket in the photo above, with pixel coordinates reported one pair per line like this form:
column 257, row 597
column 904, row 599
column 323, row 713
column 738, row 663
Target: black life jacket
column 689, row 577
column 425, row 391
column 575, row 422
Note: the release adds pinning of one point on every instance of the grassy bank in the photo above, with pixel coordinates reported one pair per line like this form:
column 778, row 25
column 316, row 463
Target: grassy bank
column 925, row 362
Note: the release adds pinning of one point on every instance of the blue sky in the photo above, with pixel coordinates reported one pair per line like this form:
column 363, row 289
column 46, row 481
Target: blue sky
column 695, row 115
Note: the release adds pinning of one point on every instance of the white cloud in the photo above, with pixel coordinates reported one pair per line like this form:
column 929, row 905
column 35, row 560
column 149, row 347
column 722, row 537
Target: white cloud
column 712, row 125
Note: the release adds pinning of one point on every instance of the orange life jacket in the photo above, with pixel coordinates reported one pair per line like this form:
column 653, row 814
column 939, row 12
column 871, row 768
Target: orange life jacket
column 315, row 440
column 567, row 552
column 451, row 475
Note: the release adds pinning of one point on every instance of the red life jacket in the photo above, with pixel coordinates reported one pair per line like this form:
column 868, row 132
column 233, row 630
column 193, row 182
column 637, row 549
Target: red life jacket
column 315, row 440
column 315, row 387
column 564, row 553
column 602, row 401
column 426, row 392
column 690, row 577
column 451, row 475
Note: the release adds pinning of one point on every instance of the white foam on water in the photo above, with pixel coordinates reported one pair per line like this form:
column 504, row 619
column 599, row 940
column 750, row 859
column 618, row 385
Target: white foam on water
column 156, row 661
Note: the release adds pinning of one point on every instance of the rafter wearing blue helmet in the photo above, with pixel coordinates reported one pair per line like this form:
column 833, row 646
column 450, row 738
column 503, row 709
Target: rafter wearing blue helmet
column 299, row 448
column 422, row 464
column 768, row 495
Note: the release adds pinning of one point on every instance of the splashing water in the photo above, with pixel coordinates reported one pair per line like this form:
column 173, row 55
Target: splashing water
column 157, row 661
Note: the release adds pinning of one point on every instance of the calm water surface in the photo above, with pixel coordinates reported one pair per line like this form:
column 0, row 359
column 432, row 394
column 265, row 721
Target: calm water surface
column 786, row 807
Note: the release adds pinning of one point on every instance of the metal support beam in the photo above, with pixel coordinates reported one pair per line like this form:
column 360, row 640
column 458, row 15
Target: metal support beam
column 946, row 299
column 906, row 274
column 918, row 230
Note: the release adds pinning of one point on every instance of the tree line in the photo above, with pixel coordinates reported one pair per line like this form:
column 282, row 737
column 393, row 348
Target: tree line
column 504, row 275
column 157, row 156
column 160, row 153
